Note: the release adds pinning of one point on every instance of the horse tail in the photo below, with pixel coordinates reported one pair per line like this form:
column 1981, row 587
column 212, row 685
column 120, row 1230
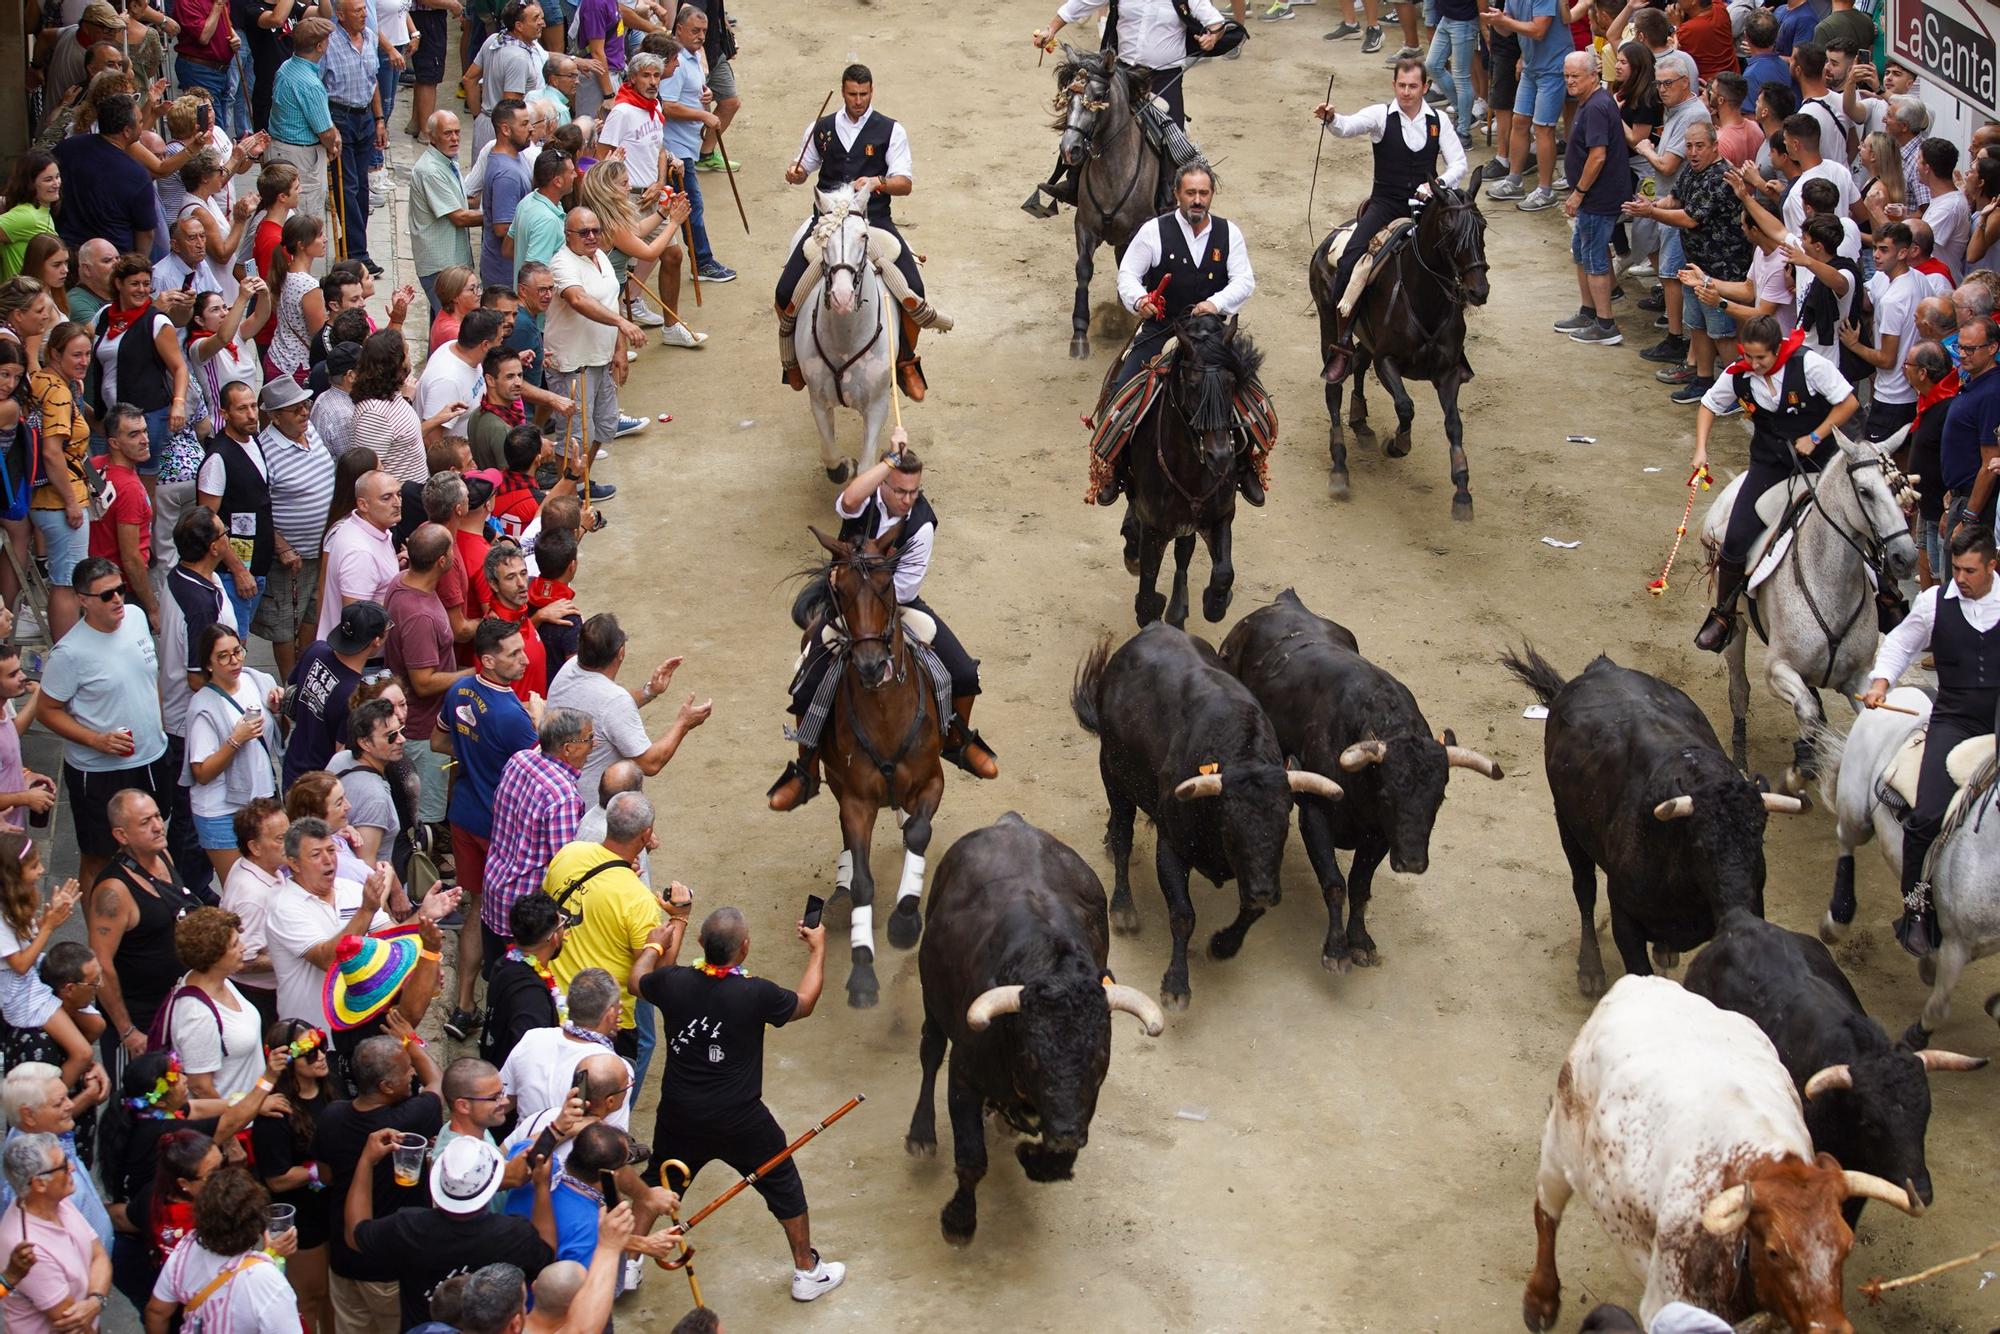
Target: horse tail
column 1088, row 688
column 1532, row 670
column 1829, row 749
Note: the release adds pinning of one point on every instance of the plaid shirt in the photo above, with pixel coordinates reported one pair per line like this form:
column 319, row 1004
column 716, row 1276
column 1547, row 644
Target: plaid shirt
column 536, row 810
column 350, row 74
column 1915, row 193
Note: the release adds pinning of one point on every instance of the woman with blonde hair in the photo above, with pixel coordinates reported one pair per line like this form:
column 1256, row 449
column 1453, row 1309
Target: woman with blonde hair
column 458, row 292
column 1882, row 167
column 56, row 507
column 638, row 238
column 27, row 313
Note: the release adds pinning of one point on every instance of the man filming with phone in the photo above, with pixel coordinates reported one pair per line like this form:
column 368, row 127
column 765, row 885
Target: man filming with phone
column 712, row 1020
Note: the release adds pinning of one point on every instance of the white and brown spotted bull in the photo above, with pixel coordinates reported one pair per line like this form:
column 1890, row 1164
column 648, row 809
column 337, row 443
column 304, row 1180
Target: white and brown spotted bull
column 1681, row 1129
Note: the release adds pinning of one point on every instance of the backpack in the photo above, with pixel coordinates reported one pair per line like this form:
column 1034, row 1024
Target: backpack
column 160, row 1034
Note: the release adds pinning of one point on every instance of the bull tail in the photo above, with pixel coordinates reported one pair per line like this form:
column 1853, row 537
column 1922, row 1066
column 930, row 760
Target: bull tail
column 1534, row 672
column 1089, row 684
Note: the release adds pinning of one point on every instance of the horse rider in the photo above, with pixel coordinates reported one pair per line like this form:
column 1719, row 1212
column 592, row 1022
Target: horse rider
column 1405, row 165
column 1795, row 398
column 1154, row 40
column 1955, row 621
column 885, row 494
column 1206, row 264
column 858, row 147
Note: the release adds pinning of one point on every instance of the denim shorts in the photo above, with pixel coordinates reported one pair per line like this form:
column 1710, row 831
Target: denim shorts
column 1710, row 319
column 66, row 545
column 1541, row 93
column 1673, row 257
column 217, row 833
column 1590, row 243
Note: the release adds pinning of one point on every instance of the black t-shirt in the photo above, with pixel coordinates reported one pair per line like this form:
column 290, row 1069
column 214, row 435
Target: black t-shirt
column 713, row 1029
column 280, row 1145
column 319, row 713
column 422, row 1247
column 1928, row 462
column 338, row 1140
column 131, row 1178
column 518, row 1002
column 1598, row 124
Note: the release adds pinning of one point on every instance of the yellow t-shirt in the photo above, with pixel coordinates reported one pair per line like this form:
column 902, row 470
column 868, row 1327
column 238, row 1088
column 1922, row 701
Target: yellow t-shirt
column 619, row 912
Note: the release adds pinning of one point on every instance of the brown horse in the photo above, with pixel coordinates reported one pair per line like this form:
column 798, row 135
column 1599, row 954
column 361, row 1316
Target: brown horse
column 881, row 742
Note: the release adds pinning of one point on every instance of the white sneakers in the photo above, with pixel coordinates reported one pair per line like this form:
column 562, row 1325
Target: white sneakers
column 635, row 1269
column 809, row 1285
column 679, row 335
column 645, row 316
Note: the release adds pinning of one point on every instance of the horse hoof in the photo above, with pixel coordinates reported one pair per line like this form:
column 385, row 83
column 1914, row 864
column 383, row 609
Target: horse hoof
column 1796, row 783
column 1398, row 446
column 1124, row 921
column 1666, row 960
column 1214, row 604
column 1927, row 970
column 905, row 924
column 862, row 991
column 1590, row 985
column 1337, row 487
column 1079, row 348
column 957, row 1225
column 1830, row 931
column 1461, row 508
column 919, row 1148
column 1916, row 1037
column 1364, row 956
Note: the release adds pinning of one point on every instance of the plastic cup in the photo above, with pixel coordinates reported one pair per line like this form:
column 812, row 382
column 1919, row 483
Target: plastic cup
column 408, row 1158
column 281, row 1219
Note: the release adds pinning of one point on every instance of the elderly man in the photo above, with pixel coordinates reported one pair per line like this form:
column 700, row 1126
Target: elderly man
column 535, row 287
column 589, row 683
column 310, row 912
column 586, row 338
column 1937, row 322
column 92, row 292
column 36, row 1103
column 620, row 914
column 187, row 267
column 301, row 124
column 67, row 58
column 1708, row 218
column 535, row 813
column 439, row 213
column 360, row 551
column 541, row 1069
column 1935, row 378
column 565, row 1302
column 1596, row 163
column 134, row 904
column 299, row 469
column 71, row 1277
column 1909, row 121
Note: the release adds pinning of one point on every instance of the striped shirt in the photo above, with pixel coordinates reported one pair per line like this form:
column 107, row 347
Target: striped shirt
column 536, row 811
column 299, row 112
column 301, row 477
column 350, row 73
column 391, row 427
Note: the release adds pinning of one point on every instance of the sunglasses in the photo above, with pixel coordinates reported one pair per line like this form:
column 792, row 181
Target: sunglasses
column 586, row 231
column 108, row 595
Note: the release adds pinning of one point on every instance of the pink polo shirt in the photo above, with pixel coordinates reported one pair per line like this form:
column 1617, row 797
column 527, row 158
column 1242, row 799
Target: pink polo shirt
column 359, row 559
column 62, row 1266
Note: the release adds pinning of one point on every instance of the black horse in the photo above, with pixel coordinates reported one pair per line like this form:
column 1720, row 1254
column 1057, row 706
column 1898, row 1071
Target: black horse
column 1118, row 173
column 1182, row 462
column 1410, row 323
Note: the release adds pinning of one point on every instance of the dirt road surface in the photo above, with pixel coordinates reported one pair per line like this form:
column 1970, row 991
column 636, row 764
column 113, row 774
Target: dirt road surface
column 1298, row 1150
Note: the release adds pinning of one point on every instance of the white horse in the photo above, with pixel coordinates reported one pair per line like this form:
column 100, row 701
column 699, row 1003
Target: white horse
column 1965, row 872
column 846, row 335
column 1817, row 607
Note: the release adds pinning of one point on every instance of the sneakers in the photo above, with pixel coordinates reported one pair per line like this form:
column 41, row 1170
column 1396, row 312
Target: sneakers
column 1669, row 350
column 1617, row 292
column 1479, row 108
column 1402, row 53
column 1576, row 323
column 1343, row 32
column 679, row 335
column 1662, row 322
column 809, row 1285
column 462, row 1024
column 1678, row 374
column 1643, row 269
column 1508, row 188
column 645, row 316
column 1371, row 41
column 712, row 161
column 630, row 426
column 1655, row 300
column 1280, row 9
column 1691, row 393
column 1537, row 201
column 1603, row 333
column 632, row 1270
column 601, row 491
column 1561, row 181
column 1496, row 170
column 715, row 272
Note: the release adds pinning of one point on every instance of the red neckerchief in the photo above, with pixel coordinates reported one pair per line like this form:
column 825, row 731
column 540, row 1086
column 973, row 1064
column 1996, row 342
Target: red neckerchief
column 630, row 96
column 541, row 592
column 1937, row 393
column 1933, row 266
column 514, row 414
column 1793, row 342
column 122, row 319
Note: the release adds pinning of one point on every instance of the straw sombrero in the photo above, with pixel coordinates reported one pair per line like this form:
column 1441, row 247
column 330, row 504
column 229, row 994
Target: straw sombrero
column 368, row 971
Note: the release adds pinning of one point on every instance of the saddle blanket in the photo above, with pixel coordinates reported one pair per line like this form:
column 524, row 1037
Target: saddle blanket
column 1364, row 267
column 1967, row 758
column 808, row 731
column 1255, row 421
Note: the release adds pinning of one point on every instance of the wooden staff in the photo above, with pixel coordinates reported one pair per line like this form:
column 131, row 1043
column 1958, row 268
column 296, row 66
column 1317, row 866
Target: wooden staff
column 1874, row 1288
column 583, row 426
column 895, row 406
column 1892, row 708
column 658, row 292
column 753, row 1178
column 729, row 171
column 339, row 212
column 694, row 266
column 684, row 1260
column 801, row 162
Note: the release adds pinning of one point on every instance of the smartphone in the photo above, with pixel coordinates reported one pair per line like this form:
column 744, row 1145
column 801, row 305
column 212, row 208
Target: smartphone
column 202, row 117
column 814, row 905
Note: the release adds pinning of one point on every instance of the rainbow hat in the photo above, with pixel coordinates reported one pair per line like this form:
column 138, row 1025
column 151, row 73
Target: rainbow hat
column 367, row 973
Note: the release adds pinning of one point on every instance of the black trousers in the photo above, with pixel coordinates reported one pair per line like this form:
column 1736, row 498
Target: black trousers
column 744, row 1140
column 1375, row 215
column 1166, row 85
column 1153, row 335
column 1948, row 727
column 961, row 666
column 795, row 267
column 1744, row 525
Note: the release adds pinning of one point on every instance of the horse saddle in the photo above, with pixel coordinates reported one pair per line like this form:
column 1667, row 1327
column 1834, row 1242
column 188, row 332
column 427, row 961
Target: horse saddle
column 1368, row 264
column 918, row 625
column 1967, row 758
column 1776, row 509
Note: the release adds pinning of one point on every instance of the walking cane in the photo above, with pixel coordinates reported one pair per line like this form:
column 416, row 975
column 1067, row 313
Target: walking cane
column 684, row 1260
column 694, row 268
column 583, row 425
column 339, row 210
column 752, row 1178
column 730, row 172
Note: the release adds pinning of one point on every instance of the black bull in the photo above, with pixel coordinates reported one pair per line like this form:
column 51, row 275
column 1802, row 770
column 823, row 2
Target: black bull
column 1014, row 974
column 1337, row 712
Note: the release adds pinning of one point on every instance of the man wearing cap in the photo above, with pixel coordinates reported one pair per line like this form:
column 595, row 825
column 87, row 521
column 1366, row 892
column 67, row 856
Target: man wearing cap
column 299, row 470
column 66, row 62
column 333, row 411
column 360, row 550
column 325, row 678
column 233, row 482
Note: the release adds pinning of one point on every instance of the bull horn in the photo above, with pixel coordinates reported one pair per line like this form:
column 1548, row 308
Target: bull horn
column 1464, row 757
column 990, row 1005
column 1726, row 1214
column 1310, row 784
column 1779, row 804
column 1935, row 1061
column 1137, row 1004
column 1201, row 785
column 1829, row 1079
column 1869, row 1186
column 1362, row 754
column 1674, row 808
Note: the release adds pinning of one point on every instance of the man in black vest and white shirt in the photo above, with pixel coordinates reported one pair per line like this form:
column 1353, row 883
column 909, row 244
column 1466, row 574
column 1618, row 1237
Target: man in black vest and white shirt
column 859, row 147
column 1206, row 263
column 1406, row 163
column 235, row 483
column 888, row 493
column 1958, row 622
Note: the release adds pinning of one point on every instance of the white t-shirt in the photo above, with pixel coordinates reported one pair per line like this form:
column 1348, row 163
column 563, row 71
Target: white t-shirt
column 531, row 1126
column 570, row 341
column 295, row 923
column 541, row 1070
column 640, row 135
column 1896, row 316
column 213, row 479
column 247, row 893
column 233, row 1052
column 447, row 380
column 25, row 1000
column 392, row 21
column 1950, row 219
column 258, row 1299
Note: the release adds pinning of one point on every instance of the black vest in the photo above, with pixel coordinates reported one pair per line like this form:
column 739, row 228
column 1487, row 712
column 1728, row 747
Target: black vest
column 1968, row 664
column 1398, row 170
column 868, row 523
column 840, row 165
column 1182, row 10
column 245, row 510
column 143, row 379
column 1799, row 412
column 1194, row 278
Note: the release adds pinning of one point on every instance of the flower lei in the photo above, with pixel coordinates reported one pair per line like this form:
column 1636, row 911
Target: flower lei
column 556, row 996
column 712, row 970
column 307, row 1041
column 146, row 1106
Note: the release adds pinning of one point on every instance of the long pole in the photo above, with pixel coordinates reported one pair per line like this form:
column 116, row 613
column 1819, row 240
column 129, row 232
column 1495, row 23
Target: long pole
column 825, row 102
column 729, row 171
column 339, row 211
column 890, row 333
column 753, row 1178
column 1316, row 155
column 694, row 267
column 583, row 407
column 658, row 292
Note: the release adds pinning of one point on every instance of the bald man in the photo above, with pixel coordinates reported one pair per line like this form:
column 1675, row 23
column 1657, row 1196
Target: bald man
column 555, row 1291
column 1937, row 322
column 360, row 549
column 93, row 277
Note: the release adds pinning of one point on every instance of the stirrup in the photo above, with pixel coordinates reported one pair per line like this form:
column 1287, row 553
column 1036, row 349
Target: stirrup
column 910, row 375
column 1033, row 205
column 803, row 778
column 957, row 754
column 1338, row 363
column 1715, row 632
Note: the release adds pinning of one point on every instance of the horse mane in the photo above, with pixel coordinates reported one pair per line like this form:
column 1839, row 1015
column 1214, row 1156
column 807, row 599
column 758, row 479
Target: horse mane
column 1459, row 215
column 840, row 208
column 813, row 604
column 1217, row 355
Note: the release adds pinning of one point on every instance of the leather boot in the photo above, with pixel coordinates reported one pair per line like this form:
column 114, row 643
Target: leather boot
column 1714, row 634
column 1060, row 187
column 1916, row 926
column 1341, row 359
column 965, row 747
column 788, row 356
column 1247, row 481
column 797, row 785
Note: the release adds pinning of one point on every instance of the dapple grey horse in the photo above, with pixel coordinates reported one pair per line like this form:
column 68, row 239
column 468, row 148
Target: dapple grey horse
column 1817, row 609
column 1118, row 173
column 846, row 335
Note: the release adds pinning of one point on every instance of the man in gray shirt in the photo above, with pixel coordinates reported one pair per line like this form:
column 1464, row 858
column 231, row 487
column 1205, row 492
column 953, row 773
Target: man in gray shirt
column 375, row 742
column 1676, row 75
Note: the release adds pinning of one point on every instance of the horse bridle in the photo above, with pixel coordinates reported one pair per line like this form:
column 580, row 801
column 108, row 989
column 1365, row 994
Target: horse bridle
column 826, row 301
column 1453, row 283
column 1217, row 482
column 1873, row 550
column 1088, row 134
column 890, row 639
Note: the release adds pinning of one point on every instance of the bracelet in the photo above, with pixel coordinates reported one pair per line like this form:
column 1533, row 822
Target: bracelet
column 433, row 955
column 264, row 1085
column 126, row 1032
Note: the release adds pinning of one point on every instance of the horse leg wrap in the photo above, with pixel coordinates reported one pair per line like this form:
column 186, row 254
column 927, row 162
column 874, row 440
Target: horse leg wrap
column 913, row 879
column 843, row 872
column 861, row 930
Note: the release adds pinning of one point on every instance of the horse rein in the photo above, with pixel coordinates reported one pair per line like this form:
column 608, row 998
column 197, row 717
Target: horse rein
column 899, row 658
column 854, row 270
column 1873, row 555
column 1091, row 148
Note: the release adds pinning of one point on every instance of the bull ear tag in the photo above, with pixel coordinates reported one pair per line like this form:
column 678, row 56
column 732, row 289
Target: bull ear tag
column 1209, row 769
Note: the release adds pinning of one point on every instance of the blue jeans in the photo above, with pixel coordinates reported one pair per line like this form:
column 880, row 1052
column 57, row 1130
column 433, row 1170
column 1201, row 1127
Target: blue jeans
column 245, row 607
column 647, row 1019
column 692, row 184
column 1459, row 37
column 215, row 78
column 357, row 143
column 238, row 110
column 386, row 78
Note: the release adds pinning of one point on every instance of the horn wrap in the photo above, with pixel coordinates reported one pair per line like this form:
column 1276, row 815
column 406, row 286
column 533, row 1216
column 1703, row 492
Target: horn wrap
column 1869, row 1186
column 1464, row 757
column 1726, row 1214
column 1137, row 1004
column 1674, row 808
column 1829, row 1079
column 1201, row 785
column 1308, row 783
column 990, row 1005
column 1362, row 754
